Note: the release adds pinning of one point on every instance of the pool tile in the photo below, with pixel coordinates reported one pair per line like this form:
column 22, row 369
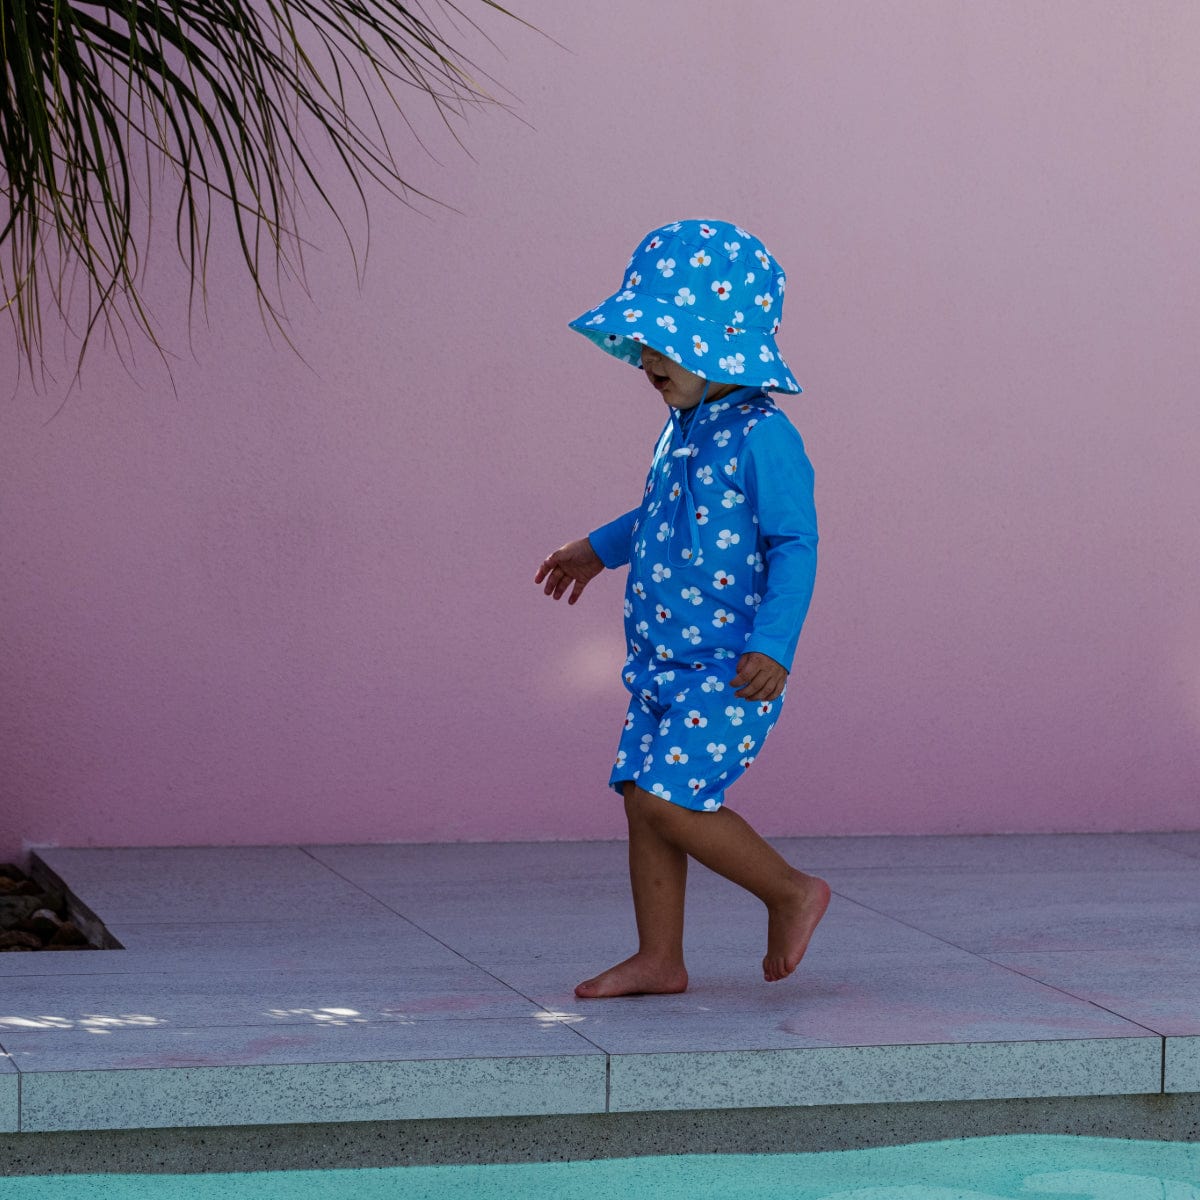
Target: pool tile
column 1182, row 1064
column 1037, row 911
column 129, row 1081
column 884, row 1074
column 1159, row 989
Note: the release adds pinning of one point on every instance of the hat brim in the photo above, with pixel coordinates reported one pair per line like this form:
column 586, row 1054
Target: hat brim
column 744, row 355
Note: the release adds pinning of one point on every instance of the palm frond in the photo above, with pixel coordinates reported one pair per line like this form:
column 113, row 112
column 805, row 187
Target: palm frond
column 222, row 91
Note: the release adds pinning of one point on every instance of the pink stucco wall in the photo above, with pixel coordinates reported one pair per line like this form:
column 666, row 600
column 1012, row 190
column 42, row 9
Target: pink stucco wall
column 295, row 602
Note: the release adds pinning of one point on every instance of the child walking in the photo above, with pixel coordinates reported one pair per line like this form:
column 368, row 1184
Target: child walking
column 722, row 554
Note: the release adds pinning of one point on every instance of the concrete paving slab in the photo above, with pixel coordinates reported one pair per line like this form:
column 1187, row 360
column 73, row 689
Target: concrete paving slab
column 987, row 852
column 435, row 1069
column 877, row 1000
column 1181, row 1064
column 1037, row 911
column 477, row 863
column 393, row 945
column 9, row 1092
column 883, row 1074
column 1187, row 843
column 1159, row 989
column 271, row 999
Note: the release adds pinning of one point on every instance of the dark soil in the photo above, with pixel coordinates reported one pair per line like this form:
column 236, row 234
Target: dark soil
column 32, row 918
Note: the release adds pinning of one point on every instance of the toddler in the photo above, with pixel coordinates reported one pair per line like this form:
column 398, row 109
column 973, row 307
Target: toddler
column 722, row 555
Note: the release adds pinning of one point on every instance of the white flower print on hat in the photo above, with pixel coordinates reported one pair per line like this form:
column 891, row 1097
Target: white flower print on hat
column 720, row 283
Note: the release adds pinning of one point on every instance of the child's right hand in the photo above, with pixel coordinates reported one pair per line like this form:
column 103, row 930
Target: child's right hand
column 575, row 563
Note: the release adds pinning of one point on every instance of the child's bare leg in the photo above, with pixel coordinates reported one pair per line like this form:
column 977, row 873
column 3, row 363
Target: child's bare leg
column 726, row 843
column 658, row 877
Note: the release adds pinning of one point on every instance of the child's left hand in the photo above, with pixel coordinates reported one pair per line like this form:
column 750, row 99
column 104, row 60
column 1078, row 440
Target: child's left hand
column 759, row 676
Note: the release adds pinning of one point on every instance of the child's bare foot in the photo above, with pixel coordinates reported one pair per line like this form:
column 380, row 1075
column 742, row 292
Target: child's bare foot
column 635, row 976
column 790, row 925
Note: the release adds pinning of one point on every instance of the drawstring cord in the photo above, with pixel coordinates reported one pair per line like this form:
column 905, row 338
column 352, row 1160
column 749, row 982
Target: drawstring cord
column 685, row 491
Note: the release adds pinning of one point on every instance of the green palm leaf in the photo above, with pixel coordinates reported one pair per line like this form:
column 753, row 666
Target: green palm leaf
column 221, row 90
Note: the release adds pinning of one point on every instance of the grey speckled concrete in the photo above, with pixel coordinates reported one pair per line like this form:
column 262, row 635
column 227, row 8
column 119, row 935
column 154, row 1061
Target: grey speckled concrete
column 379, row 983
column 8, row 1095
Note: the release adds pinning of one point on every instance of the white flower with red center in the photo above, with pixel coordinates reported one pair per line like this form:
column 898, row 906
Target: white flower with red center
column 765, row 354
column 750, row 424
column 632, row 314
column 733, row 249
column 712, row 684
column 676, row 756
column 663, row 653
column 722, row 580
column 763, row 258
column 733, row 364
column 638, row 337
column 661, row 614
column 653, row 243
column 722, row 617
column 629, row 676
column 659, row 790
column 699, row 345
column 692, row 594
column 706, row 231
column 664, row 531
column 774, row 326
column 746, row 745
column 666, row 266
column 770, row 383
column 765, row 707
column 764, row 302
column 745, row 762
column 721, row 437
column 660, row 572
column 639, row 591
column 717, row 750
column 667, row 322
column 621, row 756
column 732, row 498
column 723, row 288
column 684, row 297
column 697, row 785
column 730, row 467
column 629, row 719
column 695, row 719
column 736, row 713
column 702, row 515
column 692, row 634
column 700, row 259
column 704, row 474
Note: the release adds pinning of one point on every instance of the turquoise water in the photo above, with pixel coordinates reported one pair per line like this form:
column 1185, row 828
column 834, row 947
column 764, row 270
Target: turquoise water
column 993, row 1168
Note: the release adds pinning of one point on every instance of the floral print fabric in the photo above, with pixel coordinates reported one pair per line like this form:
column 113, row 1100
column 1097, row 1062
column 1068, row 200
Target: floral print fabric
column 722, row 559
column 705, row 293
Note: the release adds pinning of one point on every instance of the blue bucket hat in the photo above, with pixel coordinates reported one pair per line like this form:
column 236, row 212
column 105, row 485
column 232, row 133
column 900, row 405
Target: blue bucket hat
column 704, row 293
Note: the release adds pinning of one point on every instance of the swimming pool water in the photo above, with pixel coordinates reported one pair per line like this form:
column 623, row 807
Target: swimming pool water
column 1047, row 1167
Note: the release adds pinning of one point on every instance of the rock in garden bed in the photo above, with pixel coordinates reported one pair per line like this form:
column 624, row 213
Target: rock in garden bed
column 32, row 918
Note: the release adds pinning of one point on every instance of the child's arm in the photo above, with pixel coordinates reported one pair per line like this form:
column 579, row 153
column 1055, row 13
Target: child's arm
column 777, row 479
column 579, row 562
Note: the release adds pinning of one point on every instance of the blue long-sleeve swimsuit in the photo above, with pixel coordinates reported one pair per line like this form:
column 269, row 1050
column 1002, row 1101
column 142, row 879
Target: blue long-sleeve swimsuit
column 722, row 555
